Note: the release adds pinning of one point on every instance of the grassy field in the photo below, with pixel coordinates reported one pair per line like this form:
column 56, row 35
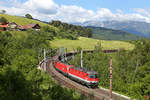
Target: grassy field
column 88, row 44
column 21, row 20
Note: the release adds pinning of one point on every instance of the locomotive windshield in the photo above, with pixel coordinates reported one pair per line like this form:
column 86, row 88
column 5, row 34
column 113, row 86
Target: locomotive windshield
column 93, row 76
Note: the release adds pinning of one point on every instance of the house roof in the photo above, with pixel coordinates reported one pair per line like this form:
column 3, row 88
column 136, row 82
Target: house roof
column 12, row 23
column 27, row 26
column 3, row 25
column 21, row 27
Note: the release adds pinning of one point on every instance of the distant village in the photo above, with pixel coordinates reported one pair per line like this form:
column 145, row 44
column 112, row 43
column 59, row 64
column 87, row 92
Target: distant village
column 10, row 26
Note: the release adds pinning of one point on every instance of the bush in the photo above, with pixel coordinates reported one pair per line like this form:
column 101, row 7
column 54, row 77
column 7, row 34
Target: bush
column 3, row 20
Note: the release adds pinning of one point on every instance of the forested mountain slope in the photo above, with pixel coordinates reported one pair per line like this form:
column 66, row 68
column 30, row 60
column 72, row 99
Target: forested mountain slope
column 110, row 34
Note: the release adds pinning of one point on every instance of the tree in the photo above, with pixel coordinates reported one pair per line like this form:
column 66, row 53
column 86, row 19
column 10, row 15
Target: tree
column 89, row 32
column 28, row 16
column 3, row 20
column 13, row 86
column 3, row 11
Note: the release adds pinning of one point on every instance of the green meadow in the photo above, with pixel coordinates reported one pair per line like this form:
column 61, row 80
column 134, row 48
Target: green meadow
column 89, row 44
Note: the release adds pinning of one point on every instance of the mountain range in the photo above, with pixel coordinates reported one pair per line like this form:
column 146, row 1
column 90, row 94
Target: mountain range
column 134, row 27
column 111, row 34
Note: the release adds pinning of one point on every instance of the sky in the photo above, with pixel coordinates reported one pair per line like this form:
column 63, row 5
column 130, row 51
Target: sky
column 78, row 11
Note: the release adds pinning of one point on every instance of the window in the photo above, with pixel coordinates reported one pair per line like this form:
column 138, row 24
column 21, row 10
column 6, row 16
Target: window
column 91, row 76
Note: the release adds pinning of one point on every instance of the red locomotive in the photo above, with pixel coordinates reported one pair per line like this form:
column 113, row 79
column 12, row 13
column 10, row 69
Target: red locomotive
column 82, row 75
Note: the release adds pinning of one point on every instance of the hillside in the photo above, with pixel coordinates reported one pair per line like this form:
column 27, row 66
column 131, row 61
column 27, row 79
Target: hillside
column 135, row 27
column 89, row 44
column 110, row 34
column 21, row 20
column 58, row 28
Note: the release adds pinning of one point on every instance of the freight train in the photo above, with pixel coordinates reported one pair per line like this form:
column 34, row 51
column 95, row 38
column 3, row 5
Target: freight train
column 79, row 74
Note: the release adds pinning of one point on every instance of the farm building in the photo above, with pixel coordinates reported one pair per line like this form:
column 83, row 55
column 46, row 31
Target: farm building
column 12, row 25
column 30, row 26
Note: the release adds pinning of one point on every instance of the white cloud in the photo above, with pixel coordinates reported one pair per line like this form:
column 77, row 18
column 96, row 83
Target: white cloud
column 41, row 6
column 103, row 14
column 73, row 14
column 48, row 10
column 106, row 14
column 145, row 12
column 79, row 14
column 39, row 9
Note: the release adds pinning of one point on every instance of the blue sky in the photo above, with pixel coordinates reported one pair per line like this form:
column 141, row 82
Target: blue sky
column 80, row 10
column 125, row 5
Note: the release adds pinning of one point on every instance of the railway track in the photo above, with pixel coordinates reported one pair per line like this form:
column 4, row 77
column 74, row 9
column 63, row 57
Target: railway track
column 95, row 94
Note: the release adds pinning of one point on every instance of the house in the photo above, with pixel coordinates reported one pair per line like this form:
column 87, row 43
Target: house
column 21, row 28
column 12, row 25
column 30, row 26
column 3, row 26
column 34, row 26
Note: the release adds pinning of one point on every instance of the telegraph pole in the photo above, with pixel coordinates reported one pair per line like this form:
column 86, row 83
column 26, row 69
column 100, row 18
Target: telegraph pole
column 73, row 54
column 65, row 54
column 62, row 54
column 81, row 58
column 110, row 79
column 39, row 56
column 44, row 59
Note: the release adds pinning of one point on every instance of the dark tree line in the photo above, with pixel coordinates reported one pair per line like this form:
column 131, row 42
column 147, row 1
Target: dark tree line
column 72, row 31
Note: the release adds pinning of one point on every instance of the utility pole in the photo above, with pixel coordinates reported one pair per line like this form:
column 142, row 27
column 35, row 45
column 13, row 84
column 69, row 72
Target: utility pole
column 65, row 54
column 73, row 54
column 81, row 58
column 62, row 54
column 44, row 59
column 39, row 56
column 110, row 79
column 50, row 52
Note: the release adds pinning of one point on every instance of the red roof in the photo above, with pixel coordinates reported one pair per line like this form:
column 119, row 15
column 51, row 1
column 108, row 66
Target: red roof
column 27, row 26
column 21, row 27
column 4, row 25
